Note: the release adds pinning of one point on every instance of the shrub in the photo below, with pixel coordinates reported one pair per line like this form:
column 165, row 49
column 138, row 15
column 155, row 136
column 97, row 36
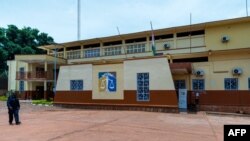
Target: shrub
column 43, row 102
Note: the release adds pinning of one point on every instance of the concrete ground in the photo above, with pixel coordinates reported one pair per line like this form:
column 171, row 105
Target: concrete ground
column 41, row 123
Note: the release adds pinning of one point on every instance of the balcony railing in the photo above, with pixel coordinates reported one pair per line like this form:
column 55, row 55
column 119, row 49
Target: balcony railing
column 104, row 51
column 39, row 75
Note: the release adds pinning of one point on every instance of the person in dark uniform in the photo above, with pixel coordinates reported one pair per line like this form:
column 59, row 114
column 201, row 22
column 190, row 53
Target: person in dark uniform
column 13, row 108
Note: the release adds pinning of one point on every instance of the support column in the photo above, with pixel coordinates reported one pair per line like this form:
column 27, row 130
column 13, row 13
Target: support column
column 17, row 70
column 82, row 53
column 175, row 40
column 45, row 90
column 45, row 66
column 101, row 49
column 31, row 91
column 148, row 44
column 45, row 82
column 124, row 49
column 64, row 53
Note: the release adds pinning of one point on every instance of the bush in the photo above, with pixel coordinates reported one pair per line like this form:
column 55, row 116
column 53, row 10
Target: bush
column 3, row 98
column 43, row 102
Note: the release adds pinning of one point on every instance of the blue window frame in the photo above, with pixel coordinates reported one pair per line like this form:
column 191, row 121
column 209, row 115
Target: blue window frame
column 198, row 84
column 249, row 83
column 21, row 86
column 143, row 87
column 21, row 73
column 231, row 83
column 136, row 48
column 76, row 85
column 180, row 84
column 92, row 53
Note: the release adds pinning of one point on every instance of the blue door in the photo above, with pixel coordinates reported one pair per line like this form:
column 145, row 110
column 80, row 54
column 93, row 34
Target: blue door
column 182, row 98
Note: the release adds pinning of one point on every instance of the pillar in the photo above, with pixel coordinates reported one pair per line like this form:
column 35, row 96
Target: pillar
column 64, row 53
column 148, row 44
column 175, row 40
column 124, row 49
column 45, row 90
column 81, row 52
column 101, row 49
column 45, row 66
column 46, row 77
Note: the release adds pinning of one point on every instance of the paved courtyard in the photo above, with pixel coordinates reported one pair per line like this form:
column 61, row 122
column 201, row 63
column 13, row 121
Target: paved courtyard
column 41, row 123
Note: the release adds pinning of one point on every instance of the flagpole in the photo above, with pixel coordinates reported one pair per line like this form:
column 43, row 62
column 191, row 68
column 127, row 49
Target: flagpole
column 247, row 8
column 125, row 53
column 190, row 42
column 153, row 39
column 78, row 19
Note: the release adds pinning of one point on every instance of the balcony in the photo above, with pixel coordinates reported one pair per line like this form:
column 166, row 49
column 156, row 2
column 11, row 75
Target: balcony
column 37, row 75
column 105, row 51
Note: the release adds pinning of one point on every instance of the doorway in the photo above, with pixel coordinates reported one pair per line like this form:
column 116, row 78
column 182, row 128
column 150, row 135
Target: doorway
column 180, row 87
column 39, row 92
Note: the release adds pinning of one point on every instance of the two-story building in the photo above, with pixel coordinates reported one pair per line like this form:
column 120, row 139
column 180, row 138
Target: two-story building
column 211, row 60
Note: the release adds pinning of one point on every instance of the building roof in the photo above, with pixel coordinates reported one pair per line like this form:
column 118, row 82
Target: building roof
column 169, row 30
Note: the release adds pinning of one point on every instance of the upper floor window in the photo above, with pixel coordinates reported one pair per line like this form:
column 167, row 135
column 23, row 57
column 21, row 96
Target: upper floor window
column 198, row 84
column 76, row 85
column 73, row 54
column 113, row 51
column 231, row 83
column 136, row 48
column 180, row 84
column 92, row 53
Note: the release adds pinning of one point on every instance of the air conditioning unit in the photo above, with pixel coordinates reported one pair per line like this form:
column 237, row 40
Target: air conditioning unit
column 166, row 46
column 225, row 39
column 237, row 71
column 199, row 72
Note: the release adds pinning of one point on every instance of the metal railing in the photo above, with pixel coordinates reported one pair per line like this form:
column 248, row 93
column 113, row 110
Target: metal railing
column 112, row 50
column 34, row 75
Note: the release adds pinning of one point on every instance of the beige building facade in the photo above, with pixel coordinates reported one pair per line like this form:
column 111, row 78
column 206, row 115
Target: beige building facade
column 210, row 60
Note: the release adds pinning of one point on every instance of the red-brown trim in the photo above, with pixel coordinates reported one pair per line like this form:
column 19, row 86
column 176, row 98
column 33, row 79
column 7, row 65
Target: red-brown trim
column 158, row 98
column 35, row 95
column 225, row 98
column 231, row 109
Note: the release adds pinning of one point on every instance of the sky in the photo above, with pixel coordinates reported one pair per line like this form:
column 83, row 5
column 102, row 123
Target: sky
column 100, row 18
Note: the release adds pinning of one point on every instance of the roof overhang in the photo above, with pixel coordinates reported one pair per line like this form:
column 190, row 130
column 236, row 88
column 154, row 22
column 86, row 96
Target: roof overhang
column 180, row 68
column 39, row 59
column 184, row 28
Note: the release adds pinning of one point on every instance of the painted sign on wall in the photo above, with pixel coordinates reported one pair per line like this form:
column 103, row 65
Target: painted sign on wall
column 107, row 81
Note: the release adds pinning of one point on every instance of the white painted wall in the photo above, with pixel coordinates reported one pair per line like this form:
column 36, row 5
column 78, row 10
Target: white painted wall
column 74, row 72
column 160, row 77
column 11, row 75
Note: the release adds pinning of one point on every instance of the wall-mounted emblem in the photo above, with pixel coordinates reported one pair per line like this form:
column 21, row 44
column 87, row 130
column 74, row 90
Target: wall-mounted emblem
column 107, row 81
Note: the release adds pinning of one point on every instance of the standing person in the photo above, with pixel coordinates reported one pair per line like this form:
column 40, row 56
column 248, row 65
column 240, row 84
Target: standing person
column 13, row 108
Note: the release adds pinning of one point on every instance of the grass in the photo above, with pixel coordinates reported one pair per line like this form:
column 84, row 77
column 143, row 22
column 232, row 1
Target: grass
column 42, row 101
column 3, row 98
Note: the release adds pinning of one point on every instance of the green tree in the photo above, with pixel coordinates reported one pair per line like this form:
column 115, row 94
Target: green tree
column 15, row 41
column 3, row 57
column 27, row 50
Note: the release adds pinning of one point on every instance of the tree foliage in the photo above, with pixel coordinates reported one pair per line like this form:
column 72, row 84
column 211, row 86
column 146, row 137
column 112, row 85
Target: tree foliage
column 15, row 41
